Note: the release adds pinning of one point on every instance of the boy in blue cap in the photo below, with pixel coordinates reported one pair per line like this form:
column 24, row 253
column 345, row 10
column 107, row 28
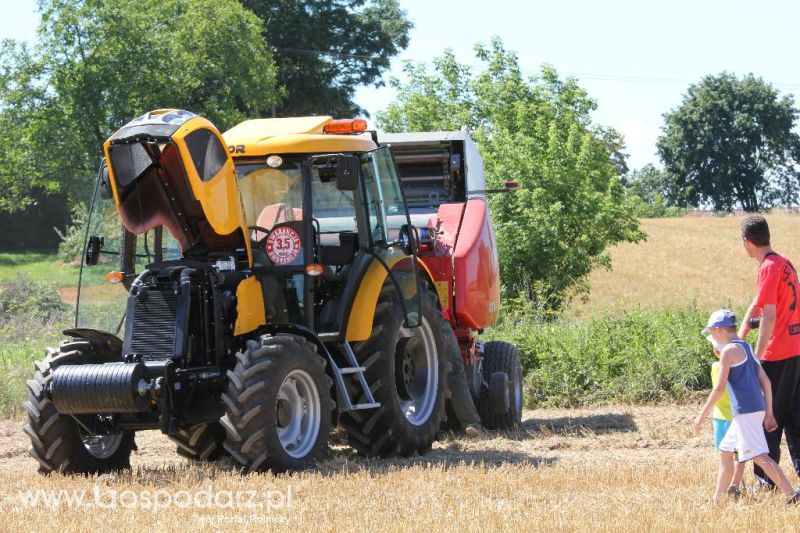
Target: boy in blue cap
column 751, row 404
column 722, row 420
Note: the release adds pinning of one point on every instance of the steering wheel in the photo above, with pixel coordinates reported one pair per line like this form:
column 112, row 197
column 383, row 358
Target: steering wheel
column 263, row 230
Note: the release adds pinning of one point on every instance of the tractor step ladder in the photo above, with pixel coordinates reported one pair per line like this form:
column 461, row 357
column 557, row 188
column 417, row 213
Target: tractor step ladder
column 345, row 401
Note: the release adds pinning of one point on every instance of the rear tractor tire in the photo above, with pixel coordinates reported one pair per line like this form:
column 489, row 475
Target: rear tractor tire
column 501, row 358
column 279, row 405
column 59, row 442
column 406, row 370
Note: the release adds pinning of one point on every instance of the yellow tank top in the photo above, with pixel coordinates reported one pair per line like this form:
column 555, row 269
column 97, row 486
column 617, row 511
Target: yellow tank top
column 722, row 411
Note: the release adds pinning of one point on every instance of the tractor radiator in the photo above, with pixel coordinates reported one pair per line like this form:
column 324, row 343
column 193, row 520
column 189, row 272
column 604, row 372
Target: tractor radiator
column 150, row 325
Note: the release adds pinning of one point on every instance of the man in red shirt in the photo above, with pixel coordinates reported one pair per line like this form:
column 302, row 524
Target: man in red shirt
column 778, row 345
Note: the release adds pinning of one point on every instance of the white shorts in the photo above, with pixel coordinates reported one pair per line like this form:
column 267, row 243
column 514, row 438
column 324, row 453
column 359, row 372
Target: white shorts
column 746, row 436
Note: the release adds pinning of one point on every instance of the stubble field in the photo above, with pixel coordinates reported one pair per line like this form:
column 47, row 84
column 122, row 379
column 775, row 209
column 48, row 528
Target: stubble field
column 689, row 260
column 600, row 469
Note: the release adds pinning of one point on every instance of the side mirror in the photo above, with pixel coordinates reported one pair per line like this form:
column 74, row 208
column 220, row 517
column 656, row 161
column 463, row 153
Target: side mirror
column 347, row 172
column 93, row 247
column 409, row 239
column 105, row 182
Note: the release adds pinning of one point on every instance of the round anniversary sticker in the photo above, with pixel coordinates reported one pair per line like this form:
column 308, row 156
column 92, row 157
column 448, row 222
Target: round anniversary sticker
column 283, row 246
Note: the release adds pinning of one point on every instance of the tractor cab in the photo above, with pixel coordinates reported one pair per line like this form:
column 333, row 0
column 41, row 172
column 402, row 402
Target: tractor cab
column 322, row 204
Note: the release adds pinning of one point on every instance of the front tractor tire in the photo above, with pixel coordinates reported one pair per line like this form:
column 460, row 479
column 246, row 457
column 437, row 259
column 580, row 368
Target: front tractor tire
column 501, row 366
column 59, row 442
column 279, row 405
column 406, row 370
column 200, row 443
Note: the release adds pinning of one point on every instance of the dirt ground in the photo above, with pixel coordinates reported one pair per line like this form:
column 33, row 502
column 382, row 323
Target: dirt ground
column 637, row 468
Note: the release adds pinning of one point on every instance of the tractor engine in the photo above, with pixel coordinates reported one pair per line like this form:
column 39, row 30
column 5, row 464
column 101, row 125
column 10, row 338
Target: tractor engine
column 177, row 335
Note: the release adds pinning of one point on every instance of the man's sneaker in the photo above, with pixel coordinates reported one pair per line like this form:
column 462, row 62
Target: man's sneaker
column 734, row 492
column 473, row 431
column 794, row 499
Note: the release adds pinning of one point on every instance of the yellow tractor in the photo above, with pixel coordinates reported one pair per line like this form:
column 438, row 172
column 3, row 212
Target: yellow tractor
column 284, row 298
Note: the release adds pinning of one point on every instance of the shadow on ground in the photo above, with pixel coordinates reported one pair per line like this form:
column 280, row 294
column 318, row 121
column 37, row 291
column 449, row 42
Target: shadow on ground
column 455, row 454
column 578, row 426
column 344, row 460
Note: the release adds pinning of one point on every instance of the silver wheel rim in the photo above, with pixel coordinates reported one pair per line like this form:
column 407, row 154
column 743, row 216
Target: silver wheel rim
column 102, row 446
column 298, row 413
column 422, row 384
column 518, row 394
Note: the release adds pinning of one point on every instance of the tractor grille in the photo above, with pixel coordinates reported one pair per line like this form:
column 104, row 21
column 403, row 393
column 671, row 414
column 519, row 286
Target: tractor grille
column 153, row 326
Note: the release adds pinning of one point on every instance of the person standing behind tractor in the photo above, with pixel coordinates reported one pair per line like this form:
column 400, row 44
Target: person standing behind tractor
column 721, row 419
column 751, row 406
column 778, row 346
column 460, row 396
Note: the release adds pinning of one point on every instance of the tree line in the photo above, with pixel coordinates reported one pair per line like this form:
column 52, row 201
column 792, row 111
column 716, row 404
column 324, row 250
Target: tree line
column 570, row 207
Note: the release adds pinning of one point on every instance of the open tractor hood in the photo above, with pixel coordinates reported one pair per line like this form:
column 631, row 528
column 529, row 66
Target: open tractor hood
column 170, row 167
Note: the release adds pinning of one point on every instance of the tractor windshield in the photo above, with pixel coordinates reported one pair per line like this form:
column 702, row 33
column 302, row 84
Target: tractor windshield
column 272, row 192
column 100, row 303
column 271, row 195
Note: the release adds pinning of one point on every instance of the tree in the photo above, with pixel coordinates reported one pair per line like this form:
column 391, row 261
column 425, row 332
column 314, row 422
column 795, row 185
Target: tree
column 571, row 205
column 98, row 63
column 325, row 49
column 652, row 185
column 731, row 142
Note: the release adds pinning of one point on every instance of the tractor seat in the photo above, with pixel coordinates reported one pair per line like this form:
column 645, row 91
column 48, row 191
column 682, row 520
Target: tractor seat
column 341, row 254
column 274, row 214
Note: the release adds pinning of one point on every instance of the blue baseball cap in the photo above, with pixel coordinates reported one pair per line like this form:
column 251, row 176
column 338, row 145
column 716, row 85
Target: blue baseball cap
column 722, row 318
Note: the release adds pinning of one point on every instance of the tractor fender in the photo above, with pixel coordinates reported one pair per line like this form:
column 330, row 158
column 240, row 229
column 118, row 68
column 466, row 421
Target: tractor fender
column 362, row 310
column 295, row 329
column 102, row 338
column 107, row 346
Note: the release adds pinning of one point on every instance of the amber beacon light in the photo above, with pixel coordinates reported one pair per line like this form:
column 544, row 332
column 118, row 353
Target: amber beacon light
column 349, row 125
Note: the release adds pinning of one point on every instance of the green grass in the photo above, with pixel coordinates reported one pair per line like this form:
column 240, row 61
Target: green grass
column 641, row 356
column 21, row 343
column 24, row 340
column 47, row 268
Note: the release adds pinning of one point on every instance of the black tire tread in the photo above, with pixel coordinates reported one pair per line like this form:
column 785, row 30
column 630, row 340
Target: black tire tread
column 499, row 356
column 384, row 432
column 55, row 439
column 202, row 442
column 248, row 396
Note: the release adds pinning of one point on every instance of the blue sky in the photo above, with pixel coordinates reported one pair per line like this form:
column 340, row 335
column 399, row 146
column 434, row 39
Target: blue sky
column 635, row 58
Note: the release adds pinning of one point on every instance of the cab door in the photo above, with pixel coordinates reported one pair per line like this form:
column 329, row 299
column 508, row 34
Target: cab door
column 388, row 225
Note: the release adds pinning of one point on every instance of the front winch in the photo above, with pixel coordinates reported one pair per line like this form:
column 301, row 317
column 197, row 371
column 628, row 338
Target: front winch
column 104, row 388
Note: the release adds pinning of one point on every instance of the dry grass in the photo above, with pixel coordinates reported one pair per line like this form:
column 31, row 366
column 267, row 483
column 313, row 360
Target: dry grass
column 685, row 260
column 638, row 468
